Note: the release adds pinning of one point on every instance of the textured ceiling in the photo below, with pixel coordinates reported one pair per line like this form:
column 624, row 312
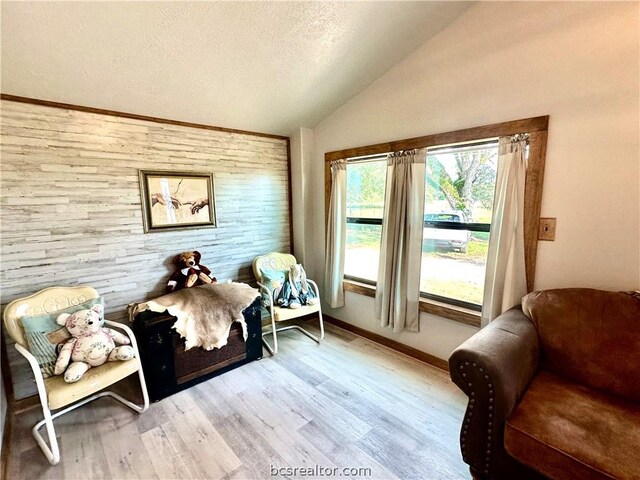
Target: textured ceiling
column 268, row 67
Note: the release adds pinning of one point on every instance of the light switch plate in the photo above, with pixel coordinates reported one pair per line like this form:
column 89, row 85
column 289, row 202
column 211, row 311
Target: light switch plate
column 547, row 229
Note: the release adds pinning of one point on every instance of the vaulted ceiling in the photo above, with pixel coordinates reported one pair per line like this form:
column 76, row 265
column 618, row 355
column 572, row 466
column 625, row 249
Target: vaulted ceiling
column 261, row 66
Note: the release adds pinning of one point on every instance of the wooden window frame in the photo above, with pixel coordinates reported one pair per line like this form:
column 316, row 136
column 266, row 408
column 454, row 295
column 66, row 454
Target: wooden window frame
column 536, row 127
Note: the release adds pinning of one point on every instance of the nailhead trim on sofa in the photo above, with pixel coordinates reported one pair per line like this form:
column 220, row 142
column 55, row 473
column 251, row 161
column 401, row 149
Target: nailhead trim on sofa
column 469, row 415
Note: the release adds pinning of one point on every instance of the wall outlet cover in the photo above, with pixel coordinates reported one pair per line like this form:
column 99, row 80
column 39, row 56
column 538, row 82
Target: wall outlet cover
column 547, row 229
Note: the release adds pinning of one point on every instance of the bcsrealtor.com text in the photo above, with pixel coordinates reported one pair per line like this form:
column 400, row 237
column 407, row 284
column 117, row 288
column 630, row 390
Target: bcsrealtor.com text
column 319, row 471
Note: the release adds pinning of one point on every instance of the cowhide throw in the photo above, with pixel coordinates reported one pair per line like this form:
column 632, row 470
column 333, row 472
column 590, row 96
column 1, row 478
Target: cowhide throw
column 205, row 313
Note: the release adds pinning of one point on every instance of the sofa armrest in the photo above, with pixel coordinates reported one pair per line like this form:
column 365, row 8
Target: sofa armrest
column 494, row 368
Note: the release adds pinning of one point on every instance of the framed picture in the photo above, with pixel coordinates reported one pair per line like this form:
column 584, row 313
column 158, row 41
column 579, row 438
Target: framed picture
column 177, row 200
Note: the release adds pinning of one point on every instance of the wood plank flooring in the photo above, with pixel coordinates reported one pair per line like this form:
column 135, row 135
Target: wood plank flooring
column 348, row 403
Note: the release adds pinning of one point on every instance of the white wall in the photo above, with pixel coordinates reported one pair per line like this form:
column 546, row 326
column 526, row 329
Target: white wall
column 578, row 63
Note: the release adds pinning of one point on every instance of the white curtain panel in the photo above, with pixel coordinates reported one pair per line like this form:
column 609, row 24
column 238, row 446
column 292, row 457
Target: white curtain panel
column 336, row 234
column 398, row 285
column 506, row 280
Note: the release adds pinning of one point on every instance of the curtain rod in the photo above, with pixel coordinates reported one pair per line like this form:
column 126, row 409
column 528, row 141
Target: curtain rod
column 461, row 145
column 440, row 148
column 383, row 156
column 367, row 158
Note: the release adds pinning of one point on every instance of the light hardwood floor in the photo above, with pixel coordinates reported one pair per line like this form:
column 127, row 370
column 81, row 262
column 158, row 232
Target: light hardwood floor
column 346, row 403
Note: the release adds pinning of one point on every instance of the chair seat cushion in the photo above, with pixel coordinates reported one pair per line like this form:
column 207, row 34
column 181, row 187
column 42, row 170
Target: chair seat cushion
column 60, row 393
column 567, row 431
column 281, row 314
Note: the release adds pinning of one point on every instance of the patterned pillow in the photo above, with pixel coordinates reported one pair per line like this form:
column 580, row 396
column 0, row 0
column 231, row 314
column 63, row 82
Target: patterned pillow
column 273, row 280
column 39, row 332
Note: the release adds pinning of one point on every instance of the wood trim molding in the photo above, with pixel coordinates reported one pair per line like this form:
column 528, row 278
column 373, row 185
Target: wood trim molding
column 449, row 312
column 533, row 202
column 461, row 315
column 526, row 125
column 359, row 288
column 134, row 116
column 290, row 196
column 27, row 403
column 392, row 344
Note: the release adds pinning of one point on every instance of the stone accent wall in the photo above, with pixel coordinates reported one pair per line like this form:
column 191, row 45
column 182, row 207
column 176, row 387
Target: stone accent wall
column 71, row 213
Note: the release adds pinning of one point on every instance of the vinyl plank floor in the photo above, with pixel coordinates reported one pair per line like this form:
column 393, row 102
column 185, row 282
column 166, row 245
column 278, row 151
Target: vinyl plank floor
column 163, row 444
column 349, row 405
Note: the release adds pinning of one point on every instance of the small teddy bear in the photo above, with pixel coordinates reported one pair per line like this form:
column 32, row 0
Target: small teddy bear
column 189, row 272
column 90, row 345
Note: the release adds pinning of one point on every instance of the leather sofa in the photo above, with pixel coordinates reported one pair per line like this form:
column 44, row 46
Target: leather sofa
column 554, row 389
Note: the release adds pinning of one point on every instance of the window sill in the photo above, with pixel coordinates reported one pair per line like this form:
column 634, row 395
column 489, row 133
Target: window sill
column 457, row 314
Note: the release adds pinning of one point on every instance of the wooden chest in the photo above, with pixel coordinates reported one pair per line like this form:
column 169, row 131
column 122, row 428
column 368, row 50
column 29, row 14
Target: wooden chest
column 168, row 368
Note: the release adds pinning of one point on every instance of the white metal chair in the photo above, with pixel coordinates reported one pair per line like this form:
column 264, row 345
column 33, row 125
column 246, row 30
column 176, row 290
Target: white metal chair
column 53, row 391
column 282, row 261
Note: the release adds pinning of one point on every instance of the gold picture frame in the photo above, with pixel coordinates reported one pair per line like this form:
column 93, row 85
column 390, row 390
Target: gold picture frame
column 177, row 200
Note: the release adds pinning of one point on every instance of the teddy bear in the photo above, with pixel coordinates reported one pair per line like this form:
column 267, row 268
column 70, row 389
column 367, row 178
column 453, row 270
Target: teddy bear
column 90, row 344
column 189, row 272
column 295, row 291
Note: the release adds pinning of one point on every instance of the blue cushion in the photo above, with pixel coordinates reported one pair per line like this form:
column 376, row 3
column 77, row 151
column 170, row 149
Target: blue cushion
column 37, row 329
column 273, row 280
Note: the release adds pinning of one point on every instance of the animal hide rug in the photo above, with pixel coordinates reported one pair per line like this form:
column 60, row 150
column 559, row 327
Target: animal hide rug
column 205, row 313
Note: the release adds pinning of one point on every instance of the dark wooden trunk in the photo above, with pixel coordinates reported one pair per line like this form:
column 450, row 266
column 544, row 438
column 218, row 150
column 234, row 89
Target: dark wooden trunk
column 169, row 368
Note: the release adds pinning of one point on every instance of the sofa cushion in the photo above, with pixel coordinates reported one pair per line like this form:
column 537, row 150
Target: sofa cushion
column 567, row 431
column 591, row 337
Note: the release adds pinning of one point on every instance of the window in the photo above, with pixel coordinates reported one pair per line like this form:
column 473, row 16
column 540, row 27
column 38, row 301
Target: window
column 365, row 204
column 460, row 183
